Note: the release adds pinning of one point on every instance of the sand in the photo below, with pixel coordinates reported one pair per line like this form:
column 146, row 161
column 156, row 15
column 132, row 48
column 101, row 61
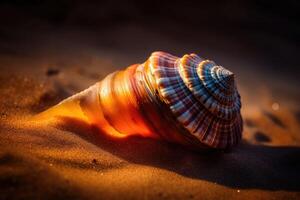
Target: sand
column 71, row 160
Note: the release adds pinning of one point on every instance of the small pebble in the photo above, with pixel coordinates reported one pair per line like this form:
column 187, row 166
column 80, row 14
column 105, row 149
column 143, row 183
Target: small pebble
column 275, row 106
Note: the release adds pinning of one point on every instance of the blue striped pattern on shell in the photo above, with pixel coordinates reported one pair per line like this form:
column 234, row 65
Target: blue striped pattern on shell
column 201, row 95
column 212, row 85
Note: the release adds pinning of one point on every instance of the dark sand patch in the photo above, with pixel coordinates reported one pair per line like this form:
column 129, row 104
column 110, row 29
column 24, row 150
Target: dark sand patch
column 275, row 119
column 250, row 123
column 261, row 137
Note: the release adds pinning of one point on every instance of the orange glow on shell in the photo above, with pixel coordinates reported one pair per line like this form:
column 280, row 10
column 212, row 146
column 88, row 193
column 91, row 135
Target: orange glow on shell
column 111, row 105
column 73, row 109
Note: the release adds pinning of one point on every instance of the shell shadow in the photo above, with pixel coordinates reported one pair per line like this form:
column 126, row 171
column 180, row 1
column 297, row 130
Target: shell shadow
column 248, row 166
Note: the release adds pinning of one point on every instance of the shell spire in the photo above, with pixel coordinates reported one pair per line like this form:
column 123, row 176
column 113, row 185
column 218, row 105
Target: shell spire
column 187, row 100
column 202, row 96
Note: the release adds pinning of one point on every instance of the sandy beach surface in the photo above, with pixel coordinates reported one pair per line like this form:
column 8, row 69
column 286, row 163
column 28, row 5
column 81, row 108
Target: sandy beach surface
column 71, row 160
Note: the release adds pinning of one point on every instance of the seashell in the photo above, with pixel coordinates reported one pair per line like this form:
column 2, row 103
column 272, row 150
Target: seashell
column 187, row 100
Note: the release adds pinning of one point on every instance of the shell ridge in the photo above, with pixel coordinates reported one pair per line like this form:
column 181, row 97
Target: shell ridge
column 198, row 95
column 186, row 72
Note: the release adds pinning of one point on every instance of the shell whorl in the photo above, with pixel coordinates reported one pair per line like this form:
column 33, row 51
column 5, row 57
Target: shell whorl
column 201, row 95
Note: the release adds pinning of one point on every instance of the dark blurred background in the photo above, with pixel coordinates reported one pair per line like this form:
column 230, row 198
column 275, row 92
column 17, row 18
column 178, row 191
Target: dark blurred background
column 245, row 35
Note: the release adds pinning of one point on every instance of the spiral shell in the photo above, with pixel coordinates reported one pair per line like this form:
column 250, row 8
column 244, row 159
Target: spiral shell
column 185, row 100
